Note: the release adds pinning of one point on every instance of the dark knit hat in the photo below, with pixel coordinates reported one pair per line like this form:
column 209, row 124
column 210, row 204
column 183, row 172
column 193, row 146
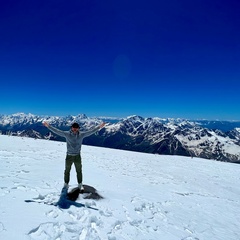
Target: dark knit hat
column 75, row 125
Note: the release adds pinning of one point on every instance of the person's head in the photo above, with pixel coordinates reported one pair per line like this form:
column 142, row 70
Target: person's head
column 75, row 127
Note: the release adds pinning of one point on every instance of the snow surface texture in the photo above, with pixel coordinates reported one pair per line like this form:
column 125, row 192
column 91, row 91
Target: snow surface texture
column 146, row 196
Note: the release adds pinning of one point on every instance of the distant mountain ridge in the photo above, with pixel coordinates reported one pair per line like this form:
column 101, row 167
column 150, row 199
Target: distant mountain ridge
column 135, row 133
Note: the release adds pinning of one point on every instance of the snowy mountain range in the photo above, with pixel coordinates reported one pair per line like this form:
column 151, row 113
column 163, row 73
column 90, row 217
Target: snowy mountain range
column 135, row 133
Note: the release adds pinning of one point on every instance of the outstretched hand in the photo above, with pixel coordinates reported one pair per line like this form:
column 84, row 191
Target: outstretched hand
column 46, row 124
column 102, row 125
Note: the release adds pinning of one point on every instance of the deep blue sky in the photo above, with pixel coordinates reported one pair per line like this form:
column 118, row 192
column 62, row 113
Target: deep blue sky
column 119, row 58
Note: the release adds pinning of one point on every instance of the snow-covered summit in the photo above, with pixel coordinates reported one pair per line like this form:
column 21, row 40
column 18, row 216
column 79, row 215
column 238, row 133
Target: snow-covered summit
column 146, row 196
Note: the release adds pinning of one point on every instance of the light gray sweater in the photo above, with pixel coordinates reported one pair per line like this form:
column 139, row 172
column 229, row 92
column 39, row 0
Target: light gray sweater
column 74, row 141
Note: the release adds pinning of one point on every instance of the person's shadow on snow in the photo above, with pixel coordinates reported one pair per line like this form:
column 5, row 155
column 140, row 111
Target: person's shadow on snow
column 68, row 199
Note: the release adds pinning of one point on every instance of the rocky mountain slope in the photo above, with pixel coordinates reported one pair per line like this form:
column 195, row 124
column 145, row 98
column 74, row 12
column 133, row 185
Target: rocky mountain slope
column 135, row 133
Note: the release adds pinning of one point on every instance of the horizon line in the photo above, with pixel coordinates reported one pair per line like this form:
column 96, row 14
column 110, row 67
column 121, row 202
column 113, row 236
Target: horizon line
column 119, row 118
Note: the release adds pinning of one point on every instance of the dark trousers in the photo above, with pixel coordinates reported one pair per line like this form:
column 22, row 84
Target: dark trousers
column 78, row 166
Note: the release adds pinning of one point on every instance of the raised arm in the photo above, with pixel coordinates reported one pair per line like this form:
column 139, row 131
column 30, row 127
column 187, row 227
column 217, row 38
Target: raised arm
column 55, row 130
column 92, row 131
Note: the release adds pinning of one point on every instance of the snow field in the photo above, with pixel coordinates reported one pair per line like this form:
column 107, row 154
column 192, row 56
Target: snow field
column 146, row 196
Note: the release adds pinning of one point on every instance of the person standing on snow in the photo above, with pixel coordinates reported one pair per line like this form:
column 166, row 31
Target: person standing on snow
column 74, row 140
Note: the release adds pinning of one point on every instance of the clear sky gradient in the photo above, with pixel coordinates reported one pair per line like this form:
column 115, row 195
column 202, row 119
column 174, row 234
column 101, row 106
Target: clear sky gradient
column 120, row 58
